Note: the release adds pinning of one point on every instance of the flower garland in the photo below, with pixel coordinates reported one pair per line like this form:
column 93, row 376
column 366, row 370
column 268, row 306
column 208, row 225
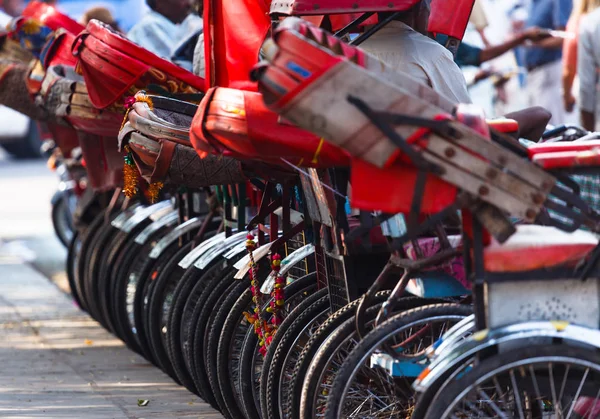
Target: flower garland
column 277, row 296
column 263, row 329
column 130, row 173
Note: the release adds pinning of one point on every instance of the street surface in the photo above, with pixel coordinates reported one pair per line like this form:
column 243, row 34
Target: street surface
column 56, row 361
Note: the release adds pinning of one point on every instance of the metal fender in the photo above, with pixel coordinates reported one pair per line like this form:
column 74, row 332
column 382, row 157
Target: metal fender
column 506, row 339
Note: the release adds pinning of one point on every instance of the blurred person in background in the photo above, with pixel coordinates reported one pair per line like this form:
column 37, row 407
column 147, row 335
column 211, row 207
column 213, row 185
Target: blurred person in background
column 544, row 60
column 12, row 8
column 570, row 50
column 588, row 66
column 160, row 30
column 479, row 19
column 103, row 15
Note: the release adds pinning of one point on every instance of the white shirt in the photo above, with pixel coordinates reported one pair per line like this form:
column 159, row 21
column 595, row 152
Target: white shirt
column 588, row 64
column 420, row 57
column 155, row 33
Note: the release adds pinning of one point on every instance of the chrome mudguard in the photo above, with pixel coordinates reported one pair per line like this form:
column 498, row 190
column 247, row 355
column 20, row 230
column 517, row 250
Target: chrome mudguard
column 199, row 250
column 225, row 246
column 141, row 214
column 504, row 339
column 286, row 264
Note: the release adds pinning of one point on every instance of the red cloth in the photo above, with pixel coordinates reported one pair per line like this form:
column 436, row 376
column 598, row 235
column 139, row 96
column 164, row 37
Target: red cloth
column 234, row 31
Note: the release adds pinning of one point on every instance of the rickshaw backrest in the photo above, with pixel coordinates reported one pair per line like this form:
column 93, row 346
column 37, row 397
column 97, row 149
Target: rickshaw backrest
column 450, row 17
column 234, row 31
column 50, row 17
column 330, row 7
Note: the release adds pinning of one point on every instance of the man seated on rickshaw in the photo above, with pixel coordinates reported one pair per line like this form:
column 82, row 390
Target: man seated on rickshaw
column 404, row 44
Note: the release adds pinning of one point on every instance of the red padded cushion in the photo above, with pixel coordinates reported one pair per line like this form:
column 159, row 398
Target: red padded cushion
column 537, row 247
column 562, row 147
column 238, row 123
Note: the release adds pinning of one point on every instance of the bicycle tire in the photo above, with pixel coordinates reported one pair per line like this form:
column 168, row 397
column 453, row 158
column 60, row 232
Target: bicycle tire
column 126, row 284
column 201, row 318
column 310, row 309
column 330, row 338
column 158, row 314
column 251, row 365
column 501, row 360
column 211, row 349
column 315, row 342
column 378, row 335
column 73, row 252
column 86, row 240
column 236, row 324
column 96, row 258
column 151, row 268
column 151, row 323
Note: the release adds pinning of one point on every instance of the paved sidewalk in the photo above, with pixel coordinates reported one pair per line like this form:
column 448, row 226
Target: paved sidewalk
column 55, row 362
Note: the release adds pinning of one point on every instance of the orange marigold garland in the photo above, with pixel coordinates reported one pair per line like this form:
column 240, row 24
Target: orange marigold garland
column 153, row 191
column 130, row 175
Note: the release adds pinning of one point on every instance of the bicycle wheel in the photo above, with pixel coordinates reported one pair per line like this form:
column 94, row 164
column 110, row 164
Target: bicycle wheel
column 204, row 313
column 251, row 360
column 161, row 302
column 362, row 390
column 536, row 381
column 128, row 275
column 234, row 333
column 116, row 252
column 333, row 342
column 87, row 239
column 73, row 253
column 97, row 254
column 152, row 315
column 212, row 344
column 148, row 273
column 293, row 333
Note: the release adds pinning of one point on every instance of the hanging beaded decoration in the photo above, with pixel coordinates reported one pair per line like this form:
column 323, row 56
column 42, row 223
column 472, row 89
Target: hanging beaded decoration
column 255, row 318
column 263, row 329
column 277, row 298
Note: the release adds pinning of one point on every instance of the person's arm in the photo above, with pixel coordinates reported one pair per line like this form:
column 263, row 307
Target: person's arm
column 587, row 71
column 569, row 72
column 562, row 11
column 531, row 34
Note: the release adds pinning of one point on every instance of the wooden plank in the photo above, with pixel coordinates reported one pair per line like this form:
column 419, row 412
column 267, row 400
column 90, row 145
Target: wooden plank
column 486, row 172
column 528, row 171
column 494, row 195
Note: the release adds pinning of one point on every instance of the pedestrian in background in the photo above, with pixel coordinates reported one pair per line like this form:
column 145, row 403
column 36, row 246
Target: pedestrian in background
column 570, row 50
column 588, row 66
column 159, row 30
column 544, row 60
column 103, row 15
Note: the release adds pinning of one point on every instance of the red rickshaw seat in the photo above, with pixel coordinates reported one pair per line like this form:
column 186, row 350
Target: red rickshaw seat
column 113, row 65
column 538, row 247
column 237, row 123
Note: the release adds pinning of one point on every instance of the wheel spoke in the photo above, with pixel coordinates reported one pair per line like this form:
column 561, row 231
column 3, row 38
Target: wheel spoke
column 585, row 374
column 516, row 394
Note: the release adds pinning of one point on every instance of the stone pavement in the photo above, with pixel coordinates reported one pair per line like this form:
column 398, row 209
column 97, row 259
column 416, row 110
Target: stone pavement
column 55, row 362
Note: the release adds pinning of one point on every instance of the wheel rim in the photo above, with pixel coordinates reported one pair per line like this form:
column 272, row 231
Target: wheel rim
column 544, row 387
column 372, row 392
column 291, row 359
